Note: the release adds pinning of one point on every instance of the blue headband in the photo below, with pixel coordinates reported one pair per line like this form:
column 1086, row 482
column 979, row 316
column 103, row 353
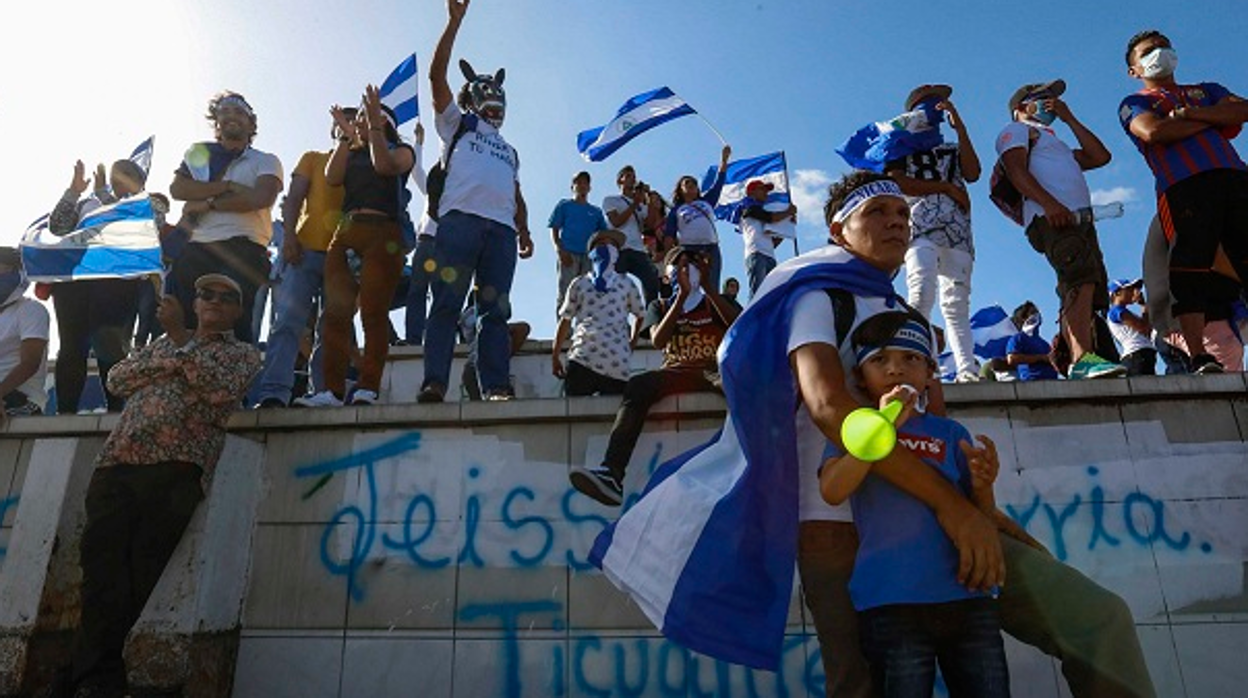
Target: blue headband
column 912, row 336
column 860, row 196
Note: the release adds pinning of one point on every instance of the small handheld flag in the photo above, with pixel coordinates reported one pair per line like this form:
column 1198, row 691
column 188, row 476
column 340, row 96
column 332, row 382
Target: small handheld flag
column 638, row 115
column 399, row 91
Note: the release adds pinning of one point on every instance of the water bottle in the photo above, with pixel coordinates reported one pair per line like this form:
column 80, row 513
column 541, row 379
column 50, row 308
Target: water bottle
column 1099, row 212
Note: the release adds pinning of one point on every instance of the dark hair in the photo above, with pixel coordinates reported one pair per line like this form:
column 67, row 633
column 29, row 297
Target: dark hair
column 1139, row 38
column 583, row 174
column 877, row 330
column 839, row 191
column 622, row 170
column 392, row 133
column 1022, row 312
column 214, row 105
column 131, row 170
column 349, row 113
column 678, row 198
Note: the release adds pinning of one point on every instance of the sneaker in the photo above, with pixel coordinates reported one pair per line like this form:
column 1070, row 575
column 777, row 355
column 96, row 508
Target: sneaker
column 365, row 397
column 325, row 398
column 1204, row 364
column 1092, row 366
column 598, row 483
column 966, row 377
column 431, row 394
column 270, row 403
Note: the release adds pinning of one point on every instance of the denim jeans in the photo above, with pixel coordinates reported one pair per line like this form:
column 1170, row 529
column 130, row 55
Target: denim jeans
column 567, row 272
column 641, row 392
column 639, row 265
column 716, row 258
column 293, row 298
column 757, row 267
column 904, row 643
column 471, row 248
column 418, row 290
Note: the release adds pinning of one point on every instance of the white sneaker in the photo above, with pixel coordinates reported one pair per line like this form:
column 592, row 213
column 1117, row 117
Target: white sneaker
column 967, row 377
column 324, row 398
column 365, row 397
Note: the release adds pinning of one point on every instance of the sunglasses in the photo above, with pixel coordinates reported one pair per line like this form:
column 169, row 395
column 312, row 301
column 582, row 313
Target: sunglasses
column 208, row 295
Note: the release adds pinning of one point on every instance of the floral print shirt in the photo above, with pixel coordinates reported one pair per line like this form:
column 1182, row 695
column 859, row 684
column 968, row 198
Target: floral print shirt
column 178, row 400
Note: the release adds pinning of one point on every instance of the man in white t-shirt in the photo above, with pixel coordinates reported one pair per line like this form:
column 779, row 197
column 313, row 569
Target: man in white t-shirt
column 24, row 326
column 1133, row 332
column 598, row 302
column 1057, row 211
column 229, row 188
column 627, row 213
column 482, row 221
column 760, row 246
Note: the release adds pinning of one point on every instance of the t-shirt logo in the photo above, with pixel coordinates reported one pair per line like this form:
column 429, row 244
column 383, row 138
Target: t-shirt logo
column 1196, row 93
column 1124, row 113
column 922, row 446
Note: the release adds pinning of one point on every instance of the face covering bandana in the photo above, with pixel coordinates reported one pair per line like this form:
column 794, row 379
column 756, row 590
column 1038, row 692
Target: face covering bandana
column 603, row 258
column 1159, row 63
column 1031, row 326
column 12, row 286
column 695, row 281
column 1043, row 115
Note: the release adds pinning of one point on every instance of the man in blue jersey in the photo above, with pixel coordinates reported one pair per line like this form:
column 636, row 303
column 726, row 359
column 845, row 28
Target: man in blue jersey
column 1184, row 133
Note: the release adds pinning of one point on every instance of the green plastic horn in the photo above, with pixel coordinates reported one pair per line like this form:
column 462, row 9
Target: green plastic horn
column 869, row 434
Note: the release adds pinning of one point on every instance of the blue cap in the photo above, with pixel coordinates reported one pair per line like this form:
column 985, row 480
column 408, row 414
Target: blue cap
column 1118, row 284
column 912, row 336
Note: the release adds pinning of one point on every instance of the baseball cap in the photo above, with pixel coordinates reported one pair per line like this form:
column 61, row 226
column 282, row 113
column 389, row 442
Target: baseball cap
column 218, row 279
column 922, row 92
column 1118, row 284
column 756, row 184
column 1054, row 88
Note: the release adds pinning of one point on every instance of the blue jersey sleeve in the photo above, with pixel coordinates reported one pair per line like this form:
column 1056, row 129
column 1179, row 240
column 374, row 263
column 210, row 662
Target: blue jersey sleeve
column 1131, row 107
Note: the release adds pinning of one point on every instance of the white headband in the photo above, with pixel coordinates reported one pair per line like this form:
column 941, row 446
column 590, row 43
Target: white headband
column 863, row 194
column 238, row 101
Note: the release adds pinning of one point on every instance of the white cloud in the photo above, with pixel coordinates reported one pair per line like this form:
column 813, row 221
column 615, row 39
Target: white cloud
column 1121, row 194
column 809, row 189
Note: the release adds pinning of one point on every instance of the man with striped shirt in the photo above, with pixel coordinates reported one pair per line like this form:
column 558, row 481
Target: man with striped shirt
column 1184, row 133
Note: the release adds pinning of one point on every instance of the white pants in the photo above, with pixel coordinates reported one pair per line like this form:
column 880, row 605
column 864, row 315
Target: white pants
column 927, row 262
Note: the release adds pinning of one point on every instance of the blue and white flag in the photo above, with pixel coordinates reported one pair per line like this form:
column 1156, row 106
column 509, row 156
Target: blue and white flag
column 877, row 144
column 769, row 168
column 708, row 551
column 991, row 330
column 399, row 91
column 115, row 241
column 638, row 115
column 142, row 155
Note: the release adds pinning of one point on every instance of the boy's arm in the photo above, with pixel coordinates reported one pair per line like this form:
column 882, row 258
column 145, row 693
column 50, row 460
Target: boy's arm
column 840, row 477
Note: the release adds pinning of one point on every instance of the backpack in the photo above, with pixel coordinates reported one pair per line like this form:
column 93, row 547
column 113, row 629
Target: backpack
column 844, row 310
column 1007, row 198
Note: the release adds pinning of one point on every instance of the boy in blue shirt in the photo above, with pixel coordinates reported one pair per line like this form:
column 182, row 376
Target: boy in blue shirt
column 1027, row 352
column 912, row 612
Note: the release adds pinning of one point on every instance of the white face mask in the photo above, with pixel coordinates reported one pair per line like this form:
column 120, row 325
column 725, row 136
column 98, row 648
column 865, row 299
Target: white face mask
column 1159, row 63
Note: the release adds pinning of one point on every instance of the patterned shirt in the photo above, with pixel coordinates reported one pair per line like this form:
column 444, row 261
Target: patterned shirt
column 178, row 401
column 1206, row 150
column 937, row 217
column 600, row 340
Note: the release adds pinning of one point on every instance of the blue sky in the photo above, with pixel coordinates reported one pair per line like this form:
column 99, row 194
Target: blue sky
column 798, row 76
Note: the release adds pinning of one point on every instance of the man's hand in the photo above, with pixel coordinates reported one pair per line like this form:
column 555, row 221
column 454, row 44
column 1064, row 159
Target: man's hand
column 173, row 319
column 419, row 135
column 456, row 9
column 951, row 114
column 525, row 241
column 1058, row 215
column 556, row 367
column 982, row 461
column 372, row 108
column 101, row 178
column 724, row 155
column 292, row 250
column 1059, row 107
column 342, row 122
column 195, row 208
column 981, row 564
column 79, row 183
column 907, row 396
column 959, row 196
column 682, row 283
column 565, row 257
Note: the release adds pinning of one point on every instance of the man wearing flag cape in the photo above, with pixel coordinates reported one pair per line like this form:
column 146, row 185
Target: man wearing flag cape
column 708, row 551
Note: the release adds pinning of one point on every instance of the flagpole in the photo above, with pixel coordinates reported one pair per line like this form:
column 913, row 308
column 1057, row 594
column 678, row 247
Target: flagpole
column 714, row 130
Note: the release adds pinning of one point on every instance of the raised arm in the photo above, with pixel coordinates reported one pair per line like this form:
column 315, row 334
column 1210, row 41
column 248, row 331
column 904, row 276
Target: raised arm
column 441, row 89
column 1091, row 152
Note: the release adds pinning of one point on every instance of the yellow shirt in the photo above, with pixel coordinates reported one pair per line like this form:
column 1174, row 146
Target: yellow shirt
column 322, row 208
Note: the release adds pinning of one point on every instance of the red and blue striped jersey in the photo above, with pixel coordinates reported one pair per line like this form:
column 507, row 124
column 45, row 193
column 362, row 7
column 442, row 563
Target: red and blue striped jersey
column 1209, row 149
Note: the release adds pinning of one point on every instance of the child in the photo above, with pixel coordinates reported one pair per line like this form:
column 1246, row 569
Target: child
column 1027, row 352
column 1133, row 332
column 912, row 612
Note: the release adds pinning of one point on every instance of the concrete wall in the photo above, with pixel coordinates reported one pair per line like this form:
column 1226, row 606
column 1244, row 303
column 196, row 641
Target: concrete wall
column 439, row 551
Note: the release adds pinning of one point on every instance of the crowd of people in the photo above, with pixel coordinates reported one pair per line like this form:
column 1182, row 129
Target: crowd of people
column 350, row 247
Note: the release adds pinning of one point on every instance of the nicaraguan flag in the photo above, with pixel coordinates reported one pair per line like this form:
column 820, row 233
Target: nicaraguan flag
column 991, row 329
column 399, row 91
column 708, row 551
column 114, row 241
column 142, row 155
column 638, row 115
column 877, row 144
column 769, row 168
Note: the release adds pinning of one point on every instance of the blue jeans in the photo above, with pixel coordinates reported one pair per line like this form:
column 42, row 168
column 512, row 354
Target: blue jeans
column 293, row 299
column 904, row 642
column 757, row 267
column 712, row 253
column 471, row 247
column 639, row 265
column 418, row 291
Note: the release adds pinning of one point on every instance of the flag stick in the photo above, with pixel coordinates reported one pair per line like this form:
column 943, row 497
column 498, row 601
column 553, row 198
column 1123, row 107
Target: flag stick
column 714, row 130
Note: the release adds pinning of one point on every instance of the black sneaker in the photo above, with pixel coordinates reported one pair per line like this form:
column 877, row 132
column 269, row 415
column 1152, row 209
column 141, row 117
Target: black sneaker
column 1205, row 364
column 598, row 483
column 270, row 403
column 431, row 394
